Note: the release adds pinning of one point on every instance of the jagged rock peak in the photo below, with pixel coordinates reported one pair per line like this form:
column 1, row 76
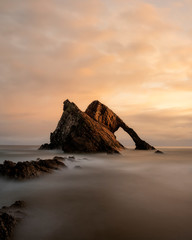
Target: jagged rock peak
column 78, row 132
column 67, row 106
column 90, row 131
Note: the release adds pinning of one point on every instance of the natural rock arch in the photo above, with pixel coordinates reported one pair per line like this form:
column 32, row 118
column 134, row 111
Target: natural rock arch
column 90, row 131
column 102, row 114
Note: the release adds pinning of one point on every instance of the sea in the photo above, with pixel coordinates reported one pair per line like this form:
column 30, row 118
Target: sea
column 135, row 195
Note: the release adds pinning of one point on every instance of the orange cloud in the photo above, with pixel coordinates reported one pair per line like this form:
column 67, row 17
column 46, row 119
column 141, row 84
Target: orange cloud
column 132, row 55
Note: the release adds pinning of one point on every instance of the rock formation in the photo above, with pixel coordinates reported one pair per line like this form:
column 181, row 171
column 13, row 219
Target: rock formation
column 107, row 117
column 90, row 131
column 78, row 132
column 9, row 217
column 159, row 152
column 32, row 169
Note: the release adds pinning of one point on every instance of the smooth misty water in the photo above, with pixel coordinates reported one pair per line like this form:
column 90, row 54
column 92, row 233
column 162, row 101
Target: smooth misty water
column 136, row 195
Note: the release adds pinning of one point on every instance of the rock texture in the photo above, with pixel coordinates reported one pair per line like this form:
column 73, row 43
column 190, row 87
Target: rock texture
column 9, row 217
column 32, row 169
column 108, row 118
column 90, row 131
column 78, row 132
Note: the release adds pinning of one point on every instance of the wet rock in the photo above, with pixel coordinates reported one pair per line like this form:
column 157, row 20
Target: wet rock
column 59, row 158
column 78, row 167
column 90, row 131
column 46, row 146
column 32, row 169
column 9, row 217
column 17, row 204
column 7, row 225
column 159, row 152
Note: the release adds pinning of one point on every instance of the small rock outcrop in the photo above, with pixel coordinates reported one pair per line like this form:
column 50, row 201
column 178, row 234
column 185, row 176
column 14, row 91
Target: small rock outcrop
column 28, row 170
column 159, row 152
column 9, row 217
column 90, row 131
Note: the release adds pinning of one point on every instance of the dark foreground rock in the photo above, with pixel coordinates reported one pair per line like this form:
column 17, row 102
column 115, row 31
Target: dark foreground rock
column 9, row 217
column 32, row 169
column 90, row 131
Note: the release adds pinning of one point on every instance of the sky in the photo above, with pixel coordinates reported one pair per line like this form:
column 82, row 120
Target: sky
column 133, row 56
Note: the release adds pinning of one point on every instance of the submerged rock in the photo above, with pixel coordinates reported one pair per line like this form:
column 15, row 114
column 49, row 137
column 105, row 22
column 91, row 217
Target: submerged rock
column 90, row 131
column 32, row 169
column 9, row 217
column 159, row 152
column 77, row 167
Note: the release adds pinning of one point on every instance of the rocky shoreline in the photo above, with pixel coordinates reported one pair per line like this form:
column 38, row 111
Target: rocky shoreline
column 20, row 171
column 9, row 218
column 12, row 215
column 30, row 169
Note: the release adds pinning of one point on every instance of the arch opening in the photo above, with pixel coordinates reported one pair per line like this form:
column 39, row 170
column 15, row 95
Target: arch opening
column 124, row 138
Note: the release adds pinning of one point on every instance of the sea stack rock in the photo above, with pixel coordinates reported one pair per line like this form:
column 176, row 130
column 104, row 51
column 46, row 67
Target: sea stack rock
column 107, row 117
column 90, row 131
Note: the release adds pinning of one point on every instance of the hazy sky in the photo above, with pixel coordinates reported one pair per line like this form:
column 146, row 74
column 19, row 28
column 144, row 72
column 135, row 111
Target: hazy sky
column 134, row 56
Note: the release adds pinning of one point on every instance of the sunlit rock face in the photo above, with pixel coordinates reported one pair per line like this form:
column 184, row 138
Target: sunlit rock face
column 107, row 117
column 104, row 115
column 90, row 131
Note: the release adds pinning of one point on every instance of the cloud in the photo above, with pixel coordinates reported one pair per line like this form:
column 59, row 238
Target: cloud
column 132, row 55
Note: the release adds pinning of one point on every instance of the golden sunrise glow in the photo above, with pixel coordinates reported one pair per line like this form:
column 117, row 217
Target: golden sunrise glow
column 134, row 56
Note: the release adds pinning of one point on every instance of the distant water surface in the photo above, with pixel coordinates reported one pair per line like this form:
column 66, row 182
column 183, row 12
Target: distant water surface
column 24, row 153
column 134, row 195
